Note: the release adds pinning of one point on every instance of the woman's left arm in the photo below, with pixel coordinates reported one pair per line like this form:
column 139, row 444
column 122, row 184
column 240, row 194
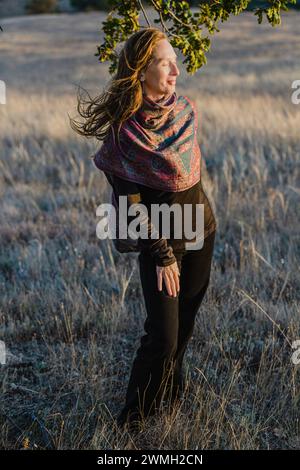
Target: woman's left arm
column 158, row 247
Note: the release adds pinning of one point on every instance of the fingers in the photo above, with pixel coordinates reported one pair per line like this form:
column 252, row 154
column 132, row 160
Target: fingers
column 159, row 279
column 177, row 282
column 170, row 285
column 171, row 279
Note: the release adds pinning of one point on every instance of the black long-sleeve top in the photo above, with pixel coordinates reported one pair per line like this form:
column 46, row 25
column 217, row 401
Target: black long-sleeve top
column 163, row 248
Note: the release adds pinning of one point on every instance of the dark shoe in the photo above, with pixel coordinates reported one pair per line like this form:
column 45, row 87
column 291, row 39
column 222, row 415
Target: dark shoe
column 130, row 422
column 134, row 427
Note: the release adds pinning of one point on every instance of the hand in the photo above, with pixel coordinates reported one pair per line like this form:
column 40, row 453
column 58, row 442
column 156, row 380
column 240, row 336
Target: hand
column 170, row 274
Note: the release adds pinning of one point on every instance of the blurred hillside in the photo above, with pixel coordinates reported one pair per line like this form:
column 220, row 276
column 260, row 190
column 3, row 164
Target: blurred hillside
column 17, row 7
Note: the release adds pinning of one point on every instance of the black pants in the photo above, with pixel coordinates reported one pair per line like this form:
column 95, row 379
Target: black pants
column 157, row 372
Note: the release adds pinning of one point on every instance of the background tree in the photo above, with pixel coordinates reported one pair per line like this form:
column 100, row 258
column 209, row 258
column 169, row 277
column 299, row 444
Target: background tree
column 41, row 6
column 87, row 5
column 185, row 31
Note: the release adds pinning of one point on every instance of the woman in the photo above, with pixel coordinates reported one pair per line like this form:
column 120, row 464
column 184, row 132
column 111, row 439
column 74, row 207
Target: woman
column 151, row 155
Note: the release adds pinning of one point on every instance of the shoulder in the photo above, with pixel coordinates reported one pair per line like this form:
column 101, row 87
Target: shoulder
column 190, row 105
column 187, row 101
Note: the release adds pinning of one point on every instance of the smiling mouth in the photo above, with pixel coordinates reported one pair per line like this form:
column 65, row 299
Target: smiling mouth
column 172, row 83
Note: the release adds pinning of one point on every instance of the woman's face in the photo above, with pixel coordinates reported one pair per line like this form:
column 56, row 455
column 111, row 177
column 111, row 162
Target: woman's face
column 160, row 76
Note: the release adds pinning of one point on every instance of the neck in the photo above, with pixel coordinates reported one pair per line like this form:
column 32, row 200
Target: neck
column 159, row 100
column 156, row 98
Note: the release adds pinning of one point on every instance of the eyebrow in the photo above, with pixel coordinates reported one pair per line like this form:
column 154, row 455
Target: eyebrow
column 166, row 58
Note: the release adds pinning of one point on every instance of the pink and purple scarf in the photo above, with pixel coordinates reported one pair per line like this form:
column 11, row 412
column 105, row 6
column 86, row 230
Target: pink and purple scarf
column 157, row 146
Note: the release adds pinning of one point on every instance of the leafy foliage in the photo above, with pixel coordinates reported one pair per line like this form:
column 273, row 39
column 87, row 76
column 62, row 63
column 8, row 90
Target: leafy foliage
column 185, row 31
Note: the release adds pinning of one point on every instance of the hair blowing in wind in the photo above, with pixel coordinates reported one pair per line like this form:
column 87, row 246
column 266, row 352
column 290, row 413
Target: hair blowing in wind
column 123, row 95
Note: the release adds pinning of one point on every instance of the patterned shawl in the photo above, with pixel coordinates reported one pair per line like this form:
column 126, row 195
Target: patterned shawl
column 157, row 146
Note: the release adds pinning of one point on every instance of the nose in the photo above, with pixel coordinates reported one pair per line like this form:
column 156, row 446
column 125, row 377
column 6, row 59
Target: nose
column 176, row 70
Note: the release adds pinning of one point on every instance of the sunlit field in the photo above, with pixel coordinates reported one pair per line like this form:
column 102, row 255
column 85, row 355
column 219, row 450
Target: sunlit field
column 71, row 307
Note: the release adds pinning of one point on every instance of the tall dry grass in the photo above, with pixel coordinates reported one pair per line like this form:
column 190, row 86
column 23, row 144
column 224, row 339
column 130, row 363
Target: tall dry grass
column 71, row 307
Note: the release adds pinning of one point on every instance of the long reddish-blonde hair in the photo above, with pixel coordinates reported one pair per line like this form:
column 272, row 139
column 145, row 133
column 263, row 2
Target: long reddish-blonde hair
column 124, row 93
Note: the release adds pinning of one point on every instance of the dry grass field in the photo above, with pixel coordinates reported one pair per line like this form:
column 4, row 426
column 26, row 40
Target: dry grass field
column 71, row 307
